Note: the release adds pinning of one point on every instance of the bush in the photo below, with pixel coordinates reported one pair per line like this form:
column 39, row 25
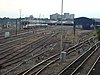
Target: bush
column 98, row 34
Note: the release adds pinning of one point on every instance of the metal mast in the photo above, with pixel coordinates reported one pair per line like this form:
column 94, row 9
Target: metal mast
column 20, row 17
column 61, row 45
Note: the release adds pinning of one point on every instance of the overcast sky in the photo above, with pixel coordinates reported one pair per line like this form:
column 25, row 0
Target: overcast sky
column 81, row 8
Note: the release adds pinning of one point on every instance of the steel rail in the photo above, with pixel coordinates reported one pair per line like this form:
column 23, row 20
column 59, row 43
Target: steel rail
column 70, row 68
column 43, row 68
column 34, row 55
column 93, row 66
column 26, row 47
column 53, row 61
column 24, row 62
column 79, row 67
column 54, row 56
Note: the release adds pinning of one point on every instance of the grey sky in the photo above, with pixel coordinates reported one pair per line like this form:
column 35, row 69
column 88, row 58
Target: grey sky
column 86, row 8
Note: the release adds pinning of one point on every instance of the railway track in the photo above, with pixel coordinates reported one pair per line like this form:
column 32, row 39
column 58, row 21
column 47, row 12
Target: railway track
column 25, row 54
column 37, row 68
column 24, row 49
column 20, row 37
column 85, row 66
column 55, row 66
column 23, row 62
column 13, row 37
column 20, row 41
column 5, row 51
column 26, row 60
column 95, row 68
column 72, row 68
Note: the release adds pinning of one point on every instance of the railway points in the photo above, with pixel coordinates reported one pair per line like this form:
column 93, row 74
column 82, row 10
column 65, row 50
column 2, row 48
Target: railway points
column 27, row 51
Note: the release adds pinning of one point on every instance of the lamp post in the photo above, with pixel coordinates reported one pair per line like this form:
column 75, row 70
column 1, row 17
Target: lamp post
column 16, row 27
column 63, row 54
column 20, row 18
column 61, row 47
column 74, row 27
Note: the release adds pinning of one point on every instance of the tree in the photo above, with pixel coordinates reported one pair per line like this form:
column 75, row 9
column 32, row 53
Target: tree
column 98, row 34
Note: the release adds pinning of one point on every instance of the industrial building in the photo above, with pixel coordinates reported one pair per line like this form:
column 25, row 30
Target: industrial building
column 66, row 16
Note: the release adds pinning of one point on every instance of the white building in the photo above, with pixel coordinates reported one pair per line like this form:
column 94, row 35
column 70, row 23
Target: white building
column 55, row 16
column 72, row 16
column 66, row 16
